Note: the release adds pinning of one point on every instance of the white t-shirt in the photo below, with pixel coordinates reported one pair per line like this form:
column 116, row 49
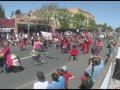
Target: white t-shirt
column 37, row 34
column 16, row 35
column 41, row 85
column 26, row 36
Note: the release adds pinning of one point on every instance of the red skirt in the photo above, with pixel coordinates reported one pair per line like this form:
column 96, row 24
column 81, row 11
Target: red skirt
column 21, row 44
column 74, row 52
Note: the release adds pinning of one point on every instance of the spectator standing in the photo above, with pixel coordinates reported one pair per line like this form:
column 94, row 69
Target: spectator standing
column 110, row 46
column 41, row 83
column 55, row 84
column 61, row 78
column 98, row 64
column 98, row 46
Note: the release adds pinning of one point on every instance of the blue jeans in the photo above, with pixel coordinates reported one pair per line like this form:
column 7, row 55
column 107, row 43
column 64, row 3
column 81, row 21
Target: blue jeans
column 109, row 51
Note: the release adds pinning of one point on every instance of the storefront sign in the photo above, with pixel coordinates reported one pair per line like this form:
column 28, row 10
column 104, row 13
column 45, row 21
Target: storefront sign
column 5, row 29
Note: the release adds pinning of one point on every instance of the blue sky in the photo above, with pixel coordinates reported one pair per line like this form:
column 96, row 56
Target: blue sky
column 103, row 11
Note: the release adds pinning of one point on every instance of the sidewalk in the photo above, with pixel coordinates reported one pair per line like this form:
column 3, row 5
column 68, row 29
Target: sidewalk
column 114, row 84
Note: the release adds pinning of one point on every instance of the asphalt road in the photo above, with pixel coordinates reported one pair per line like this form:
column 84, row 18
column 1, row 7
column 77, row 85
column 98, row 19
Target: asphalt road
column 55, row 59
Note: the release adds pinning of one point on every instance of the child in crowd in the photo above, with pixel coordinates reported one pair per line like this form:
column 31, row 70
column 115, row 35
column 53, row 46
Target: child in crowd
column 68, row 76
column 74, row 52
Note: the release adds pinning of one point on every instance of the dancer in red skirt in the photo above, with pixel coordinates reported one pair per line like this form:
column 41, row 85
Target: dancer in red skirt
column 74, row 52
column 87, row 45
column 65, row 45
column 82, row 43
column 21, row 43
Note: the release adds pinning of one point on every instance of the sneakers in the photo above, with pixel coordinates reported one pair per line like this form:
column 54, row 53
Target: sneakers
column 36, row 63
column 43, row 61
column 6, row 71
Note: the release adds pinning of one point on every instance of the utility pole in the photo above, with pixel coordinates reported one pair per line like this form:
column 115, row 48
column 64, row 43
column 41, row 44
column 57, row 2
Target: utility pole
column 28, row 23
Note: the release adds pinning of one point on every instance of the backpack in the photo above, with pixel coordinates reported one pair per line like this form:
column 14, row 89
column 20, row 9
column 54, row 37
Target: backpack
column 88, row 82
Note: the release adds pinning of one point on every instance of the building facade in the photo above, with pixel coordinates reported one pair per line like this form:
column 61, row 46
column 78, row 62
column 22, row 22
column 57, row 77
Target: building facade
column 26, row 22
column 85, row 13
column 23, row 21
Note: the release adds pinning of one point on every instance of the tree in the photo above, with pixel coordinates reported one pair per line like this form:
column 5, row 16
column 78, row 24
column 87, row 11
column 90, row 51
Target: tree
column 63, row 18
column 30, row 11
column 18, row 11
column 46, row 12
column 85, row 24
column 78, row 20
column 117, row 29
column 2, row 11
column 12, row 13
column 105, row 26
column 110, row 28
column 93, row 26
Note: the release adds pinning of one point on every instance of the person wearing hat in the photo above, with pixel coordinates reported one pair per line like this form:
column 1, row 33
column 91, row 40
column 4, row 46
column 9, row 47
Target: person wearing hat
column 68, row 76
column 41, row 83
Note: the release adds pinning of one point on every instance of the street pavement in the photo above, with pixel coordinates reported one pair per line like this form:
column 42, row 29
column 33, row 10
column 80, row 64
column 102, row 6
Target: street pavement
column 55, row 59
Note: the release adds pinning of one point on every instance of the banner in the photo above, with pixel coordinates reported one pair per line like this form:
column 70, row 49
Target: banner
column 5, row 29
column 47, row 35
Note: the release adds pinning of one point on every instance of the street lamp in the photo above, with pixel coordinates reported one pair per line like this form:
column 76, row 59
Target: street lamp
column 28, row 23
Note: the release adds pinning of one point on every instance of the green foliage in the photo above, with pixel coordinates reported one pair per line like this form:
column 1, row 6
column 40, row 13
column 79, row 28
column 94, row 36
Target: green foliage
column 117, row 29
column 93, row 26
column 2, row 11
column 30, row 11
column 18, row 11
column 46, row 12
column 78, row 20
column 105, row 26
column 64, row 18
column 12, row 13
column 110, row 28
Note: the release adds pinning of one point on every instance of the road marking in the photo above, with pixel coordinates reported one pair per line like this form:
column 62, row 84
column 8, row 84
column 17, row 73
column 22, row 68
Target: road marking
column 25, row 58
column 31, row 82
column 25, row 85
column 31, row 56
column 68, row 65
